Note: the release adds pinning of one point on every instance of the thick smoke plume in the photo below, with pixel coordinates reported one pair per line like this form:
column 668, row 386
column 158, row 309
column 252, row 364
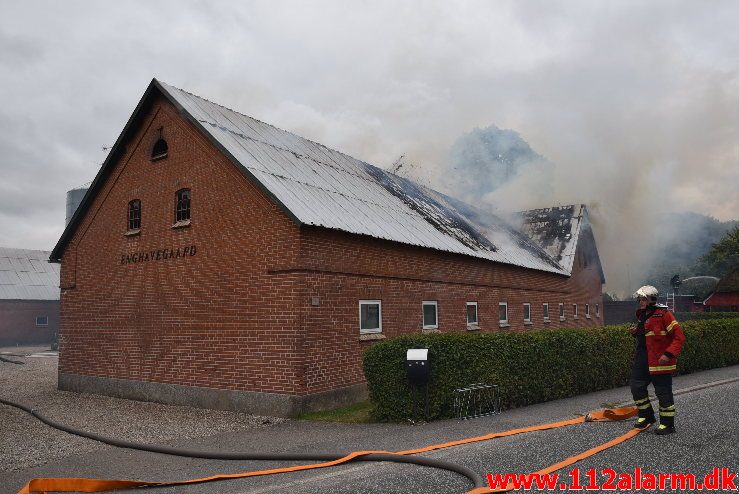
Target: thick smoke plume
column 639, row 238
column 633, row 103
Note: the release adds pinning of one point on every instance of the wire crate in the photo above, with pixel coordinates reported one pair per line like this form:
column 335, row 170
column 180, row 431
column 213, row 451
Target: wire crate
column 476, row 400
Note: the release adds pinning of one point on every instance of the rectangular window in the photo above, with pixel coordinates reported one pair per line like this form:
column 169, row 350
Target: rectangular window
column 574, row 311
column 597, row 310
column 370, row 316
column 587, row 311
column 430, row 321
column 42, row 321
column 134, row 215
column 471, row 313
column 503, row 306
column 545, row 311
column 182, row 207
column 561, row 312
column 526, row 312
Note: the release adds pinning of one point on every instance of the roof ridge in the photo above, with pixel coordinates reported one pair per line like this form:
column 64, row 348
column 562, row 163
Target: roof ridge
column 271, row 125
column 297, row 154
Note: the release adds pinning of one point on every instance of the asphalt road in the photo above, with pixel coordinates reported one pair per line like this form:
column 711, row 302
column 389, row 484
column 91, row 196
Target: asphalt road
column 708, row 434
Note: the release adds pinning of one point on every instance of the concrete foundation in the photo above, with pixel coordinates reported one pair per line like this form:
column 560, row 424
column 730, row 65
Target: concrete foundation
column 272, row 404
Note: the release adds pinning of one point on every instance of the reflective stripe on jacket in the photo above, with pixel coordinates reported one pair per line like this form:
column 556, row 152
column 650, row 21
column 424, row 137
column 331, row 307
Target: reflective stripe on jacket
column 664, row 335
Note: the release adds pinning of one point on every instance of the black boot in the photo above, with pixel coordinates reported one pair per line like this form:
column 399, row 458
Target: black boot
column 666, row 421
column 646, row 414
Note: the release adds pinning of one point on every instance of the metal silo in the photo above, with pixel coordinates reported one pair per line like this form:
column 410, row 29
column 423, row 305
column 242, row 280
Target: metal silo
column 74, row 198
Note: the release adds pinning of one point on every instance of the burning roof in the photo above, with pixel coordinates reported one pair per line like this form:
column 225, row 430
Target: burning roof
column 316, row 185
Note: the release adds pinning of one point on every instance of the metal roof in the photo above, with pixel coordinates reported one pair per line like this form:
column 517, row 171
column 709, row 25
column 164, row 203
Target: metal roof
column 316, row 185
column 27, row 275
column 323, row 187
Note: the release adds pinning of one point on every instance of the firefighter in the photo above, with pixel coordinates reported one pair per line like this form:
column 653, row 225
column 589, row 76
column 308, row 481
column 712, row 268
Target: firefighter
column 659, row 340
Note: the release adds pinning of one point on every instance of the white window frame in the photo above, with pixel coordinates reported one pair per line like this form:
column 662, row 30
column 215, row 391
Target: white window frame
column 587, row 311
column 574, row 311
column 503, row 322
column 524, row 312
column 597, row 310
column 562, row 312
column 42, row 325
column 545, row 311
column 379, row 313
column 435, row 304
column 466, row 314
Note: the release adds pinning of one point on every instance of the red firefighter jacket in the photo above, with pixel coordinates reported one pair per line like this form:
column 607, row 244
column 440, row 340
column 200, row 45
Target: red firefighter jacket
column 664, row 337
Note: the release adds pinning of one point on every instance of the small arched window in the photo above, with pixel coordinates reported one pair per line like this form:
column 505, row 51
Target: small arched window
column 159, row 151
column 182, row 205
column 134, row 215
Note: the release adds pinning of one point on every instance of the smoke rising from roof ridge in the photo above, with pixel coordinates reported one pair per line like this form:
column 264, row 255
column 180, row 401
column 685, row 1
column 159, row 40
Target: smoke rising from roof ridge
column 633, row 103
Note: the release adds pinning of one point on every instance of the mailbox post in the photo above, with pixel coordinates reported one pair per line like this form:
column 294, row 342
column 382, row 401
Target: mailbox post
column 419, row 374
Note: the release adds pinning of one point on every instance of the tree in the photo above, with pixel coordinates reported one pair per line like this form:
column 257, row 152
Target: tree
column 723, row 255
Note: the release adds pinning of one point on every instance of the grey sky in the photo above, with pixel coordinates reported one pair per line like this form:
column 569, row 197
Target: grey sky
column 636, row 103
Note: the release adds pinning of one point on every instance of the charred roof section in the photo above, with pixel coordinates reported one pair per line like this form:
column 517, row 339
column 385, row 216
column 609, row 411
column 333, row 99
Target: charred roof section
column 442, row 217
column 559, row 230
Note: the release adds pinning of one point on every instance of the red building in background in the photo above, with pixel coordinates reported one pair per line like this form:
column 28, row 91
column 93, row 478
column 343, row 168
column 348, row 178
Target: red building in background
column 725, row 297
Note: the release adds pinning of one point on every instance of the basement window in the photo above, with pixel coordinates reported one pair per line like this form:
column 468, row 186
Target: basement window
column 561, row 312
column 503, row 311
column 527, row 313
column 545, row 312
column 370, row 316
column 430, row 313
column 471, row 313
column 134, row 216
column 42, row 321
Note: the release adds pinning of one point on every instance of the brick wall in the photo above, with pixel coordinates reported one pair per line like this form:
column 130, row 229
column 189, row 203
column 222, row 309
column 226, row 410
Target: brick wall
column 18, row 322
column 213, row 319
column 237, row 314
column 341, row 269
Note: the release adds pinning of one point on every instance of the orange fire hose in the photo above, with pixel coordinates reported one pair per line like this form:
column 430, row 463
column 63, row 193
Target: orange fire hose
column 46, row 485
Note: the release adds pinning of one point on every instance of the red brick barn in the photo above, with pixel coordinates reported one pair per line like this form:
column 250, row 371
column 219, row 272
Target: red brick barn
column 221, row 262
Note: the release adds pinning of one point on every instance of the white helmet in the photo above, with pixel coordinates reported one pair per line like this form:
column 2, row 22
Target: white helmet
column 648, row 292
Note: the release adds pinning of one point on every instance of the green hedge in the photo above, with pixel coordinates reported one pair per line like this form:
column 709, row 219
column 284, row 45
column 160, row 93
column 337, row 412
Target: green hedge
column 529, row 367
column 704, row 316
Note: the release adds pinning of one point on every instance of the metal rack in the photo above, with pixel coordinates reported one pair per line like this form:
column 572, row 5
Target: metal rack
column 476, row 400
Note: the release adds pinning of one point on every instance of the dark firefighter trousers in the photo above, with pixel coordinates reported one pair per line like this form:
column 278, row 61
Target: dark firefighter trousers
column 640, row 379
